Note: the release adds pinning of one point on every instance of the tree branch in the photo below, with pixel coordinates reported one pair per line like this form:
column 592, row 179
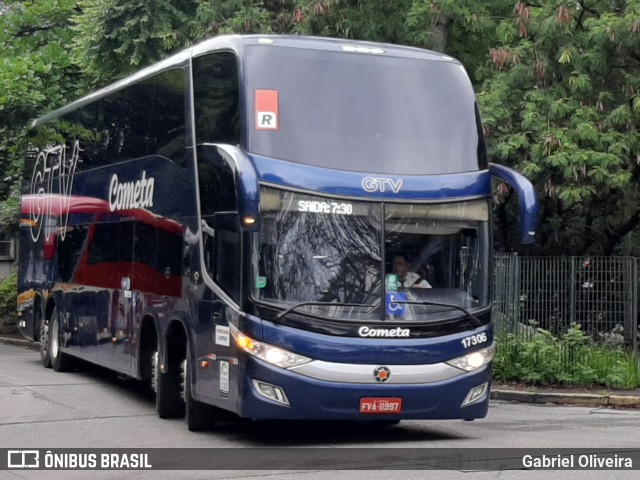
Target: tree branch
column 31, row 29
column 587, row 9
column 614, row 237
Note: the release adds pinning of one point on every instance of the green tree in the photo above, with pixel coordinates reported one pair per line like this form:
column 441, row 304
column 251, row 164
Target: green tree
column 115, row 38
column 557, row 81
column 246, row 16
column 36, row 75
column 561, row 104
column 444, row 26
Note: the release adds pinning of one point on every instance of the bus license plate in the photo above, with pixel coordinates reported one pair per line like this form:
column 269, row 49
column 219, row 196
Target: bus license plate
column 380, row 405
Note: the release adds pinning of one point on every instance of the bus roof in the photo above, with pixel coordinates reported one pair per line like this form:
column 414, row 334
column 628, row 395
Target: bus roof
column 236, row 43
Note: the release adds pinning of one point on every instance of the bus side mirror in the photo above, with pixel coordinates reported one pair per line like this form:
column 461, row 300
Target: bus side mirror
column 527, row 200
column 247, row 186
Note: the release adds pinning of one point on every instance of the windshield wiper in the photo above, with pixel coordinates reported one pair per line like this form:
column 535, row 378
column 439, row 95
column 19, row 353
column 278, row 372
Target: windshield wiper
column 476, row 320
column 333, row 304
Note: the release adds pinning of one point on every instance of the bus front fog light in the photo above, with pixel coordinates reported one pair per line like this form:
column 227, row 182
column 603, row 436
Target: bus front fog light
column 272, row 392
column 476, row 394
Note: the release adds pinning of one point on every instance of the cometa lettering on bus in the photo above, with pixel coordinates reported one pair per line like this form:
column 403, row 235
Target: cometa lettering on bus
column 383, row 332
column 128, row 195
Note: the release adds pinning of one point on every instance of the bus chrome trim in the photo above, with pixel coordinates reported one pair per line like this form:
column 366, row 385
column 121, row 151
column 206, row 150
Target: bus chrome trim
column 398, row 374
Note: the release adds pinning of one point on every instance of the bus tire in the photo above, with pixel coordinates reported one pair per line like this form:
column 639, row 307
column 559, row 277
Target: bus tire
column 167, row 387
column 61, row 362
column 199, row 416
column 45, row 340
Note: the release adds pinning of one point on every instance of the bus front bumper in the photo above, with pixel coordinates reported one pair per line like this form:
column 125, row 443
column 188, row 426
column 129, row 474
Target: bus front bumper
column 273, row 393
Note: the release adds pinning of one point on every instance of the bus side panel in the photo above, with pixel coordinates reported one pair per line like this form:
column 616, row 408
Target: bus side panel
column 107, row 188
column 218, row 383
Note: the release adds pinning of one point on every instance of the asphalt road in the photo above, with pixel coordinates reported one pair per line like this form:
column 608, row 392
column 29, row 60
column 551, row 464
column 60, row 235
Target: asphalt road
column 92, row 408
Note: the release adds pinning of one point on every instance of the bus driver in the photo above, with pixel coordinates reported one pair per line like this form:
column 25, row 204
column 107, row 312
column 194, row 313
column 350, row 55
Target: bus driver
column 406, row 278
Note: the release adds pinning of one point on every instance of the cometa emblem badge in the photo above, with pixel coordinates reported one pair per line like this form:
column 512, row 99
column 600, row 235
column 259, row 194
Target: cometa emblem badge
column 381, row 374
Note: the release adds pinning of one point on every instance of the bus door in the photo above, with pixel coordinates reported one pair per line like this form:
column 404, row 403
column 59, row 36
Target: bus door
column 222, row 260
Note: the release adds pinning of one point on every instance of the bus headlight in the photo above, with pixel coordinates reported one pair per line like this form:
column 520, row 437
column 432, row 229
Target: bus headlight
column 474, row 360
column 270, row 354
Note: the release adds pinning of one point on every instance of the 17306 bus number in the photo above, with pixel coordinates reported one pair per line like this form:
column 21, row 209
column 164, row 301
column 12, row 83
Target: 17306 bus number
column 477, row 339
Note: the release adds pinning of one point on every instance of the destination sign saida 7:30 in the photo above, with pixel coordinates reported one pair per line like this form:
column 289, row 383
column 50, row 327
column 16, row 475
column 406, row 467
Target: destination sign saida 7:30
column 314, row 206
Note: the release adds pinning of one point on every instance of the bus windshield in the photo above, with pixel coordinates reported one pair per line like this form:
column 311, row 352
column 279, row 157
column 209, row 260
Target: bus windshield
column 384, row 114
column 328, row 252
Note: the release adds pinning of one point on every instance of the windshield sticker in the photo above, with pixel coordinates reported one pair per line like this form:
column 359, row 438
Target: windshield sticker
column 261, row 282
column 393, row 308
column 392, row 282
column 267, row 110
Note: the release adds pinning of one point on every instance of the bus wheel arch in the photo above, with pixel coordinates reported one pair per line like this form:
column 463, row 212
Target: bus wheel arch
column 167, row 377
column 148, row 350
column 41, row 326
column 199, row 416
column 37, row 318
column 60, row 361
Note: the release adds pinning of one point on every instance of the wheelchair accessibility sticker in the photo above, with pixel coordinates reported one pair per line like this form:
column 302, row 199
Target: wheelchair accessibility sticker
column 392, row 305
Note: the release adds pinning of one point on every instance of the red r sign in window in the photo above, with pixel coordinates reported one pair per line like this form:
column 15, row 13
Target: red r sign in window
column 267, row 110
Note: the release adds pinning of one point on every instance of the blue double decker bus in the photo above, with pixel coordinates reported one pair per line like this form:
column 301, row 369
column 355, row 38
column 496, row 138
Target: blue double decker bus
column 224, row 225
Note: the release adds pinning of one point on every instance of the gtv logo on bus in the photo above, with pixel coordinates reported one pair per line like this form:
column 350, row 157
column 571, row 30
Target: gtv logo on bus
column 53, row 174
column 372, row 184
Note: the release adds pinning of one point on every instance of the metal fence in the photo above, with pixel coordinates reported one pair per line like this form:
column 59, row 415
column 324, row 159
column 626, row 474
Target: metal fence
column 598, row 293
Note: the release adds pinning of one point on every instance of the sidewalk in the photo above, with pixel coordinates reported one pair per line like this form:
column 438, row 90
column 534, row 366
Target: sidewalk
column 17, row 339
column 577, row 396
column 585, row 397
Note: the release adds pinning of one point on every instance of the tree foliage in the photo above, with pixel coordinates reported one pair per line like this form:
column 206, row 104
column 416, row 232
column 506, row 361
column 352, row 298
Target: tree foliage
column 557, row 82
column 117, row 37
column 560, row 103
column 36, row 75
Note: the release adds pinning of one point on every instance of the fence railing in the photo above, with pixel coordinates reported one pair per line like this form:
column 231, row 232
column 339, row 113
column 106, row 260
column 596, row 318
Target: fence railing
column 599, row 293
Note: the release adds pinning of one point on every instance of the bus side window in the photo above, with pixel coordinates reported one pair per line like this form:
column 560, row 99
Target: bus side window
column 112, row 250
column 217, row 120
column 167, row 131
column 216, row 98
column 220, row 223
column 70, row 250
column 226, row 254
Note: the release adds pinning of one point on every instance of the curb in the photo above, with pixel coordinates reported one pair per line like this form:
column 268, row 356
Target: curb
column 575, row 399
column 19, row 342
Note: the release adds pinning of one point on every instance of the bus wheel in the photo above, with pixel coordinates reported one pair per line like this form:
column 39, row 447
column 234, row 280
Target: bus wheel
column 45, row 352
column 199, row 416
column 61, row 362
column 167, row 388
